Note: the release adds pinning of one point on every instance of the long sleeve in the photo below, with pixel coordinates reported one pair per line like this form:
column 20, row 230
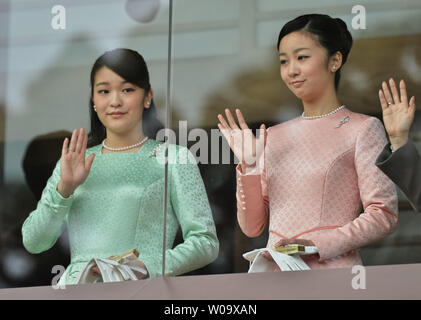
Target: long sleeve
column 403, row 167
column 378, row 196
column 190, row 204
column 44, row 225
column 252, row 200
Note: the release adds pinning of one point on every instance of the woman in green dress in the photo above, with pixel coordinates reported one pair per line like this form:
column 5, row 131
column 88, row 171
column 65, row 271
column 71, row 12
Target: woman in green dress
column 108, row 187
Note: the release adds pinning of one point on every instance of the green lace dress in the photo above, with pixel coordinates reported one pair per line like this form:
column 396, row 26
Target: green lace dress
column 120, row 207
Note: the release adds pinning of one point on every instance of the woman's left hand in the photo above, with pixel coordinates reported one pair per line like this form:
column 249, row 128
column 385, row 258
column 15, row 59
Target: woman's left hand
column 96, row 271
column 139, row 264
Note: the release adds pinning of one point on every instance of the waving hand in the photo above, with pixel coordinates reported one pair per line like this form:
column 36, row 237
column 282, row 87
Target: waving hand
column 398, row 113
column 246, row 147
column 73, row 166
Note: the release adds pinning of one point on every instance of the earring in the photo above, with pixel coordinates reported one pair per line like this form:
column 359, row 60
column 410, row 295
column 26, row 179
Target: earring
column 95, row 108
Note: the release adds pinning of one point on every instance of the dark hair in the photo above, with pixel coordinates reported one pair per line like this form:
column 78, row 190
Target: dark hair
column 332, row 34
column 131, row 66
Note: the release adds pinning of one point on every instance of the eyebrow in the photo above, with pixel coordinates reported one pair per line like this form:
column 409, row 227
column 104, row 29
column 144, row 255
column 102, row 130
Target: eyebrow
column 107, row 83
column 295, row 51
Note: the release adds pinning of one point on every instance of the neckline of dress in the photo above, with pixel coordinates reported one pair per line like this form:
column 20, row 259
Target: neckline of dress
column 331, row 116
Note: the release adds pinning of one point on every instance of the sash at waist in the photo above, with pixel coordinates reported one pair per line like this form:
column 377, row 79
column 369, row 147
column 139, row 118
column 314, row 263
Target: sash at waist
column 302, row 233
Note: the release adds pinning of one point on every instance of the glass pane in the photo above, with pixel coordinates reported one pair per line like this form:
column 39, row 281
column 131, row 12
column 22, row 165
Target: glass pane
column 46, row 55
column 225, row 56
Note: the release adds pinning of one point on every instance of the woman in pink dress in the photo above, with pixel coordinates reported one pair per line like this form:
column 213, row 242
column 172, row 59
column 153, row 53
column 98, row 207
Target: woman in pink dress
column 312, row 173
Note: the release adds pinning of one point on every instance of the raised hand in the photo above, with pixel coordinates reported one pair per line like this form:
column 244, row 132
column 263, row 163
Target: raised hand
column 246, row 147
column 398, row 114
column 73, row 166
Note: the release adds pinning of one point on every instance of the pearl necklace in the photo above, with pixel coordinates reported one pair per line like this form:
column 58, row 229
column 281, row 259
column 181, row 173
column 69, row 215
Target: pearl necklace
column 323, row 115
column 124, row 148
